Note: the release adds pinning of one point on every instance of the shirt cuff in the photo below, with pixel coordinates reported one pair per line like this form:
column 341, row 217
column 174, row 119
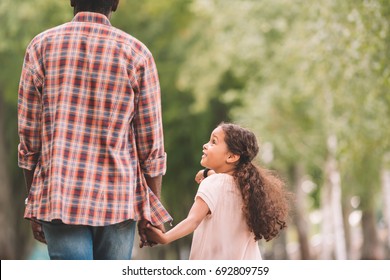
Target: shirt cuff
column 155, row 167
column 27, row 160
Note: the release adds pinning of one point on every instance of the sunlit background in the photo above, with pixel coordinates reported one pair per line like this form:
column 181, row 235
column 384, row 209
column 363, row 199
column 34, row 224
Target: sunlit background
column 311, row 78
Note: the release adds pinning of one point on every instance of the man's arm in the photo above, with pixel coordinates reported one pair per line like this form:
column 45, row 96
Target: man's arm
column 28, row 178
column 149, row 133
column 154, row 184
column 35, row 226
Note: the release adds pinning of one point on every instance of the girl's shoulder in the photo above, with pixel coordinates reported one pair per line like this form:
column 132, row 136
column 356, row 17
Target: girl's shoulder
column 214, row 188
column 217, row 180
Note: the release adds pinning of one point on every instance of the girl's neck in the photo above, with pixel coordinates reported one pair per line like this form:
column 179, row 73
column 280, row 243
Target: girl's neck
column 227, row 170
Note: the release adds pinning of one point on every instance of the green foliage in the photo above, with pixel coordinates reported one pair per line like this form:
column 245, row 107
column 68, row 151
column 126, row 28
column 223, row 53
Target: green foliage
column 20, row 20
column 306, row 71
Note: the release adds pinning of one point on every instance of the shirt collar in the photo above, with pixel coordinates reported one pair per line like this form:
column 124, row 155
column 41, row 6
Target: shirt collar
column 91, row 17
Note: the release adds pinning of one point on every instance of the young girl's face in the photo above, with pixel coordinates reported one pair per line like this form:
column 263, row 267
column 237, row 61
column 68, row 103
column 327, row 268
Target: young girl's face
column 215, row 152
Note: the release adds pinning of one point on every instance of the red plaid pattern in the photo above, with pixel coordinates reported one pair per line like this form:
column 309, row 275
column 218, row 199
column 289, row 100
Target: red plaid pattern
column 90, row 123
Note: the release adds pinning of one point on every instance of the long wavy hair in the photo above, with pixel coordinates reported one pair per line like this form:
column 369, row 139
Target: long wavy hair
column 266, row 201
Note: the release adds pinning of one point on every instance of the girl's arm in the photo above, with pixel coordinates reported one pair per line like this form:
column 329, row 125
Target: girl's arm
column 198, row 212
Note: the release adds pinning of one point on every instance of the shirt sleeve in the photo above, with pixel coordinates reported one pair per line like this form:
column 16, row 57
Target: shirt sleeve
column 29, row 113
column 148, row 125
column 208, row 191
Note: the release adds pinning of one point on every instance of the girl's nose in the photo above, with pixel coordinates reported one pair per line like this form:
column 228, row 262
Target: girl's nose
column 205, row 146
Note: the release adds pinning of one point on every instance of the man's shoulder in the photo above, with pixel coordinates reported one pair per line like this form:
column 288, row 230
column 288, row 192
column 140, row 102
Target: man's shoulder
column 134, row 43
column 47, row 33
column 112, row 32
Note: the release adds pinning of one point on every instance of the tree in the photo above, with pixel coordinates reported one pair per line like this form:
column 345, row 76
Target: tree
column 20, row 21
column 310, row 75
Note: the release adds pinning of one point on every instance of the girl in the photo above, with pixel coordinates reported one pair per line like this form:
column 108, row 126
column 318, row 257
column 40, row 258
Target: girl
column 236, row 206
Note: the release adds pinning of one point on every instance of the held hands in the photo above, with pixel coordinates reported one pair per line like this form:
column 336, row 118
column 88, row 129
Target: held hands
column 151, row 235
column 143, row 231
column 155, row 235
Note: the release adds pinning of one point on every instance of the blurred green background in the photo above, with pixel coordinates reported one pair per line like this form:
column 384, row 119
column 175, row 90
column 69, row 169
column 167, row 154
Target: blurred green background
column 311, row 78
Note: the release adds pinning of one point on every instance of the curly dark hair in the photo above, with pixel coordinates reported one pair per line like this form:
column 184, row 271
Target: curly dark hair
column 266, row 201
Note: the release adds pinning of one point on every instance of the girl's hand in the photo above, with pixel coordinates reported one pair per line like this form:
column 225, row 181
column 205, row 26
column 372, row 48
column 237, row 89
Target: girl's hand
column 199, row 177
column 154, row 234
column 142, row 234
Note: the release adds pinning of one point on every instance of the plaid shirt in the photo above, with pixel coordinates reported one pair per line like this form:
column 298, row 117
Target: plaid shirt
column 90, row 124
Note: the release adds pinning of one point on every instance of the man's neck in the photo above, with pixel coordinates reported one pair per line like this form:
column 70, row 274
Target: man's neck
column 75, row 12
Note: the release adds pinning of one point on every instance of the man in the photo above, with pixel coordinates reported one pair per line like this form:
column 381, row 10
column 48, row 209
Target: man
column 91, row 138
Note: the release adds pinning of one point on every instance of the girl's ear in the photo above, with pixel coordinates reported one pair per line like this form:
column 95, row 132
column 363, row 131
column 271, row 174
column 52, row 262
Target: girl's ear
column 232, row 158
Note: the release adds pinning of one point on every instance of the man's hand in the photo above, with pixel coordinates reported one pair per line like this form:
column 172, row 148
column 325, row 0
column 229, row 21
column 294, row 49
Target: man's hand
column 156, row 235
column 35, row 225
column 142, row 227
column 38, row 231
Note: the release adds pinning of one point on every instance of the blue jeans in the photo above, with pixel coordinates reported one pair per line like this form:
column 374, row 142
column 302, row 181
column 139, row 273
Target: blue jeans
column 77, row 242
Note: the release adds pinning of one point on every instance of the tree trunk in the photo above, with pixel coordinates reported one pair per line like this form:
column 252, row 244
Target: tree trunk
column 300, row 214
column 386, row 201
column 278, row 249
column 371, row 246
column 352, row 231
column 16, row 238
column 7, row 215
column 327, row 225
column 340, row 246
column 333, row 214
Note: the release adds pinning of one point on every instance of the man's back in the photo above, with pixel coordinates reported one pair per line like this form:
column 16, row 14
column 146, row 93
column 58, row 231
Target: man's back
column 100, row 122
column 91, row 139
